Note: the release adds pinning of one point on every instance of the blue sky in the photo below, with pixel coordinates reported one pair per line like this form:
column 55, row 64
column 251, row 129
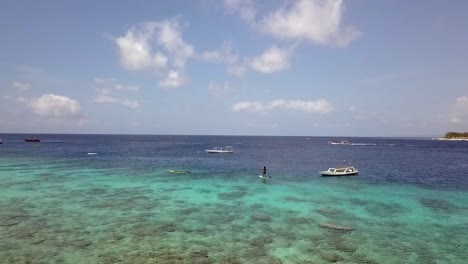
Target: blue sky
column 235, row 67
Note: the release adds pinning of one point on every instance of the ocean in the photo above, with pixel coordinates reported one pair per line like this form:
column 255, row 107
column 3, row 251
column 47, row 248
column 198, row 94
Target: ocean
column 58, row 204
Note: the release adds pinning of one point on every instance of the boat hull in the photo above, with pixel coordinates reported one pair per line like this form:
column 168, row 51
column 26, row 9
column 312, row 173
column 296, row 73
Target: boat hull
column 218, row 151
column 337, row 174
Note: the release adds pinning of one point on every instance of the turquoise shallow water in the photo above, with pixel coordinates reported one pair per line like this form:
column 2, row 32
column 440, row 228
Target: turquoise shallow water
column 53, row 214
column 59, row 205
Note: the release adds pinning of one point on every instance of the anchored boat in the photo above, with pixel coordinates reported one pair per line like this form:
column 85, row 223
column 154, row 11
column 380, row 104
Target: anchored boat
column 227, row 149
column 340, row 171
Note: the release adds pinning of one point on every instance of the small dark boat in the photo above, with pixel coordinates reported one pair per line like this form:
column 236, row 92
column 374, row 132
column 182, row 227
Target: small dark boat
column 32, row 140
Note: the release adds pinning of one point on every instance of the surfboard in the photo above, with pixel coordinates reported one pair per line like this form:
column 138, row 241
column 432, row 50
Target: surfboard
column 263, row 177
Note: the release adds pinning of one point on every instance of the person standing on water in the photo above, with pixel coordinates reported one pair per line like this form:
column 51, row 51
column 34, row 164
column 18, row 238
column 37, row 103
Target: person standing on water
column 264, row 171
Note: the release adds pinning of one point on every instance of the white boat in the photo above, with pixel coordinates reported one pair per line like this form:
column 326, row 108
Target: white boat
column 343, row 142
column 226, row 149
column 340, row 171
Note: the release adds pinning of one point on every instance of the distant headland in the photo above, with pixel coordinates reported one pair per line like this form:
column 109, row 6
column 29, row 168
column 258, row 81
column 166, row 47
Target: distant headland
column 454, row 136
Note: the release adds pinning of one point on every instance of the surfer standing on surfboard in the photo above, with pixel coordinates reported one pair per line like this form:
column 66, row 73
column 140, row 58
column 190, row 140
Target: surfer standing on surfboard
column 264, row 171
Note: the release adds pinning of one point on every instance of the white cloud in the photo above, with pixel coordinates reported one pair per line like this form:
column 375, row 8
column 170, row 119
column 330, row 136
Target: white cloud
column 51, row 105
column 173, row 80
column 251, row 106
column 317, row 21
column 136, row 53
column 170, row 38
column 321, row 106
column 272, row 60
column 22, row 86
column 106, row 88
column 157, row 46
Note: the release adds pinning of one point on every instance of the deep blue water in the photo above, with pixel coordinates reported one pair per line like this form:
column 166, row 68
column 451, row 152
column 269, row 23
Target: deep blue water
column 425, row 162
column 60, row 205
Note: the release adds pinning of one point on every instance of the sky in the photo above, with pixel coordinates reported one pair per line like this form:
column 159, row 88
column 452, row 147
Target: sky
column 389, row 68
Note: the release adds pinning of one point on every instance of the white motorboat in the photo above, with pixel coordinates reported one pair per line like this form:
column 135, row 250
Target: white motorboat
column 226, row 149
column 340, row 171
column 343, row 142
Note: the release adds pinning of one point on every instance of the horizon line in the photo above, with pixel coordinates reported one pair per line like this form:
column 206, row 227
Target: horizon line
column 216, row 135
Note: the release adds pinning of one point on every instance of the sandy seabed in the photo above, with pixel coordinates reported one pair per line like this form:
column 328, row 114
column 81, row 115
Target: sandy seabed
column 54, row 214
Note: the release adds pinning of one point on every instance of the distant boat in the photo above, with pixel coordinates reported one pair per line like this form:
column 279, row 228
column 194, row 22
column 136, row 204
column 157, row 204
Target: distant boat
column 343, row 142
column 340, row 171
column 179, row 171
column 227, row 149
column 32, row 140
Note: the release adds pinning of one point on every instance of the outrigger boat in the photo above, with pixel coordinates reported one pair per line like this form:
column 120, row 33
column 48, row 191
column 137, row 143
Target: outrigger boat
column 340, row 171
column 227, row 149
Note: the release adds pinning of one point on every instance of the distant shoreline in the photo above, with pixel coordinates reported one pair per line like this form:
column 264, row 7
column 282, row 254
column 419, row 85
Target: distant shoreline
column 452, row 139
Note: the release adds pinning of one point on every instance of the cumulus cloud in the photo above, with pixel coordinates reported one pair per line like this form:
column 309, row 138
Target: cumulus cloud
column 317, row 21
column 22, row 86
column 170, row 38
column 272, row 60
column 51, row 105
column 136, row 52
column 155, row 46
column 320, row 106
column 107, row 88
